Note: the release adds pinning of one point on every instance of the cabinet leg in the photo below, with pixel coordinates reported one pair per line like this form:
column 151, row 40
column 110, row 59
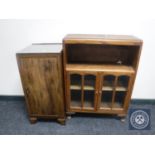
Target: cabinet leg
column 69, row 117
column 122, row 117
column 33, row 120
column 62, row 121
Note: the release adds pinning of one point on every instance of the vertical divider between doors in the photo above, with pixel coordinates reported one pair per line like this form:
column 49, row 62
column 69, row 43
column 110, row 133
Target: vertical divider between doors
column 114, row 92
column 82, row 91
column 99, row 89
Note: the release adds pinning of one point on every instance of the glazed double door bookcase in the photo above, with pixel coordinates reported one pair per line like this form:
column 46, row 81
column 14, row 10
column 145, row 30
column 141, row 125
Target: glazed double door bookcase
column 99, row 72
column 98, row 91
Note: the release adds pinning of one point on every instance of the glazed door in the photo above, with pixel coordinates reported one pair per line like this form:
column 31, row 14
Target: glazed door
column 114, row 91
column 42, row 82
column 82, row 88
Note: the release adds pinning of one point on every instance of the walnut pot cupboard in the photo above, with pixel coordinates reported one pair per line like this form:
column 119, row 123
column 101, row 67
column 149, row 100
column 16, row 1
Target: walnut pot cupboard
column 42, row 80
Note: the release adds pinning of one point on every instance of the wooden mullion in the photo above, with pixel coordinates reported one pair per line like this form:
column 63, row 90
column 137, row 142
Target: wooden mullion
column 101, row 81
column 82, row 91
column 95, row 95
column 114, row 92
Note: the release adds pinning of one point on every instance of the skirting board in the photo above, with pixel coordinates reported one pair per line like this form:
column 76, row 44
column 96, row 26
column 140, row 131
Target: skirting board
column 21, row 98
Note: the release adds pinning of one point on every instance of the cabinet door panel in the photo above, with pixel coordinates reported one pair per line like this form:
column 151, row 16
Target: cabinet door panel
column 81, row 90
column 75, row 90
column 42, row 84
column 113, row 91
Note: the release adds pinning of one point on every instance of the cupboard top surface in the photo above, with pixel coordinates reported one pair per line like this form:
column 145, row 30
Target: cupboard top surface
column 43, row 48
column 102, row 39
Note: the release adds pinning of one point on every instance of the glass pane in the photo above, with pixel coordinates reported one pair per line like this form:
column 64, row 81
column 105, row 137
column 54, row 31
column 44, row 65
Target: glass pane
column 106, row 99
column 76, row 98
column 89, row 99
column 122, row 83
column 75, row 90
column 75, row 81
column 89, row 90
column 119, row 99
column 89, row 82
column 108, row 83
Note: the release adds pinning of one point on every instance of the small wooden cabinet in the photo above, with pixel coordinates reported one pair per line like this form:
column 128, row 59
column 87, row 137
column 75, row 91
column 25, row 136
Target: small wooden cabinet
column 40, row 67
column 99, row 72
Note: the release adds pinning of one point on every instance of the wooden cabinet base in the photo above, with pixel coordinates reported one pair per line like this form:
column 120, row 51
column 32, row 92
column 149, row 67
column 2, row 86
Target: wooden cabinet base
column 34, row 120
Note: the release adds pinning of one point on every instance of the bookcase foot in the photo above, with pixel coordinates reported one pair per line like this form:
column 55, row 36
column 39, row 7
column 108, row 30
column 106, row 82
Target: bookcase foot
column 33, row 120
column 69, row 117
column 122, row 117
column 62, row 121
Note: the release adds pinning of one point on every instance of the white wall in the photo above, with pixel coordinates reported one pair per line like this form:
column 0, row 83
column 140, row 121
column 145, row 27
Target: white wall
column 16, row 34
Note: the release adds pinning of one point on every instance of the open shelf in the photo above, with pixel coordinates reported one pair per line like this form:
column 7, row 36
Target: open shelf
column 101, row 54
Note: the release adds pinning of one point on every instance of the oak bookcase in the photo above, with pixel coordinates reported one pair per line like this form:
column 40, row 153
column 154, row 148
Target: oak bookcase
column 99, row 72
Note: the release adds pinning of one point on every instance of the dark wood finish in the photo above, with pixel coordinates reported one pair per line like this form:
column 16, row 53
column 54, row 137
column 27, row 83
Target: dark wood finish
column 101, row 55
column 41, row 75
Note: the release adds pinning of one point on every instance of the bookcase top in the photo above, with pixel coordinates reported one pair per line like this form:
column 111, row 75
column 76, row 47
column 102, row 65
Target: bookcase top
column 102, row 39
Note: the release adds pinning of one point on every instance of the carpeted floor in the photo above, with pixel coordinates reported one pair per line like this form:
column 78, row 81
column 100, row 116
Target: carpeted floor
column 13, row 120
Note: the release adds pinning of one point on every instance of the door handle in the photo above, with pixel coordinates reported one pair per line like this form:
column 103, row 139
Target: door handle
column 96, row 92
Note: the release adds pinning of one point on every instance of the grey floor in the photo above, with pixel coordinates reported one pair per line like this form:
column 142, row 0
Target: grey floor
column 14, row 121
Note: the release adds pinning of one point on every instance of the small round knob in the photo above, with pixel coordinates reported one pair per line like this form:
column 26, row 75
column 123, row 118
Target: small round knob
column 119, row 62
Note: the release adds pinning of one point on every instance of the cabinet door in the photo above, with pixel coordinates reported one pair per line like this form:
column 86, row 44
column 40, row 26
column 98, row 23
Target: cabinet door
column 82, row 91
column 42, row 81
column 114, row 91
